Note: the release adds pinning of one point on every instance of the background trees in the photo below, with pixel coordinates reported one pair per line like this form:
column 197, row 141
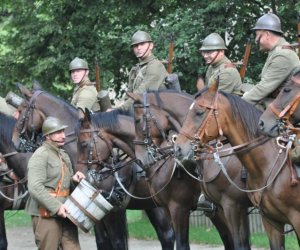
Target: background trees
column 38, row 39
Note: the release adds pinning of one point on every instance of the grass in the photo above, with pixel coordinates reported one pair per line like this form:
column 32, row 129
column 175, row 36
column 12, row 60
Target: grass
column 140, row 228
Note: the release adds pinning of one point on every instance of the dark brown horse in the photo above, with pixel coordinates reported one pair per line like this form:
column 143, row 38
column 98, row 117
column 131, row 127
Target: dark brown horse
column 164, row 187
column 13, row 194
column 284, row 110
column 156, row 114
column 42, row 104
column 269, row 177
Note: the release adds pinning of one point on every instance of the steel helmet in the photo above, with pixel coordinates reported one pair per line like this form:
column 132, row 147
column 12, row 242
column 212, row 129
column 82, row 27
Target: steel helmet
column 51, row 125
column 268, row 21
column 213, row 42
column 78, row 63
column 140, row 37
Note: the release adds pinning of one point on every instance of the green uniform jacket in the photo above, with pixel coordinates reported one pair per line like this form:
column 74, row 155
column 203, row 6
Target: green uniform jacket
column 279, row 64
column 229, row 77
column 44, row 173
column 148, row 74
column 85, row 96
column 4, row 107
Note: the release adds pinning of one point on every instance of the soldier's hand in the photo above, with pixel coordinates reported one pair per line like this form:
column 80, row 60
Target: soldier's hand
column 62, row 211
column 78, row 176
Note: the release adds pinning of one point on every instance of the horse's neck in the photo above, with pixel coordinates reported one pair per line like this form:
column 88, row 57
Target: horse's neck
column 257, row 160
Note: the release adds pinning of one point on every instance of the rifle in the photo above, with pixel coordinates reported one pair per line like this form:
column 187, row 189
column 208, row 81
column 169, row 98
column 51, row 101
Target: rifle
column 245, row 59
column 298, row 27
column 97, row 74
column 171, row 49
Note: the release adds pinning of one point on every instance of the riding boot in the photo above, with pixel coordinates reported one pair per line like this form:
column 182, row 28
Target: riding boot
column 206, row 206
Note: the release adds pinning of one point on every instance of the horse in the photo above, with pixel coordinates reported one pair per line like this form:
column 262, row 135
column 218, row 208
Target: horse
column 33, row 111
column 284, row 110
column 271, row 182
column 164, row 187
column 13, row 194
column 157, row 113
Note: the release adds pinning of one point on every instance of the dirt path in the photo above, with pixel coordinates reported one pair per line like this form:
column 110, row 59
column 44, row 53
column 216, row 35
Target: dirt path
column 22, row 239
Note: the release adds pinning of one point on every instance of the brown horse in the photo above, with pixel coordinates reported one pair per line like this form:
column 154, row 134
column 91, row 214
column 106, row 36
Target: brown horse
column 284, row 110
column 177, row 195
column 41, row 104
column 165, row 111
column 269, row 177
column 13, row 194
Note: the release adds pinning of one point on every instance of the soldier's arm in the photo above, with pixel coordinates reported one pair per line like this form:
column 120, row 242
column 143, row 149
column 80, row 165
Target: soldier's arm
column 229, row 80
column 276, row 73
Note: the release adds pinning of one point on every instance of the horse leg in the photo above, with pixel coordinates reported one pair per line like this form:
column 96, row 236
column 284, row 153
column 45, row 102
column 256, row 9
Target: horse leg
column 276, row 238
column 161, row 222
column 102, row 238
column 112, row 233
column 3, row 239
column 220, row 223
column 238, row 224
column 180, row 219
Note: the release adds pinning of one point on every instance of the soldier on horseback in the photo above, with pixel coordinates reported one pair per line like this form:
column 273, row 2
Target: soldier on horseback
column 219, row 66
column 149, row 73
column 85, row 93
column 282, row 59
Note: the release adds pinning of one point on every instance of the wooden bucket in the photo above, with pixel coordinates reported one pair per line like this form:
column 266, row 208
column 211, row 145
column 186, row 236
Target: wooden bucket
column 86, row 206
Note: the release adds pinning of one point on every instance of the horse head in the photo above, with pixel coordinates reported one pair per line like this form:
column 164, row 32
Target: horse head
column 157, row 114
column 212, row 115
column 99, row 136
column 284, row 111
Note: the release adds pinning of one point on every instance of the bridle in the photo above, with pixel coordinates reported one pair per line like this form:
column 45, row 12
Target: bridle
column 30, row 143
column 196, row 139
column 98, row 168
column 153, row 150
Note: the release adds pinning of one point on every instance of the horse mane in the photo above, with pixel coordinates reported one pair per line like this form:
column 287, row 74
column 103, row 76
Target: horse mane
column 247, row 113
column 108, row 119
column 6, row 128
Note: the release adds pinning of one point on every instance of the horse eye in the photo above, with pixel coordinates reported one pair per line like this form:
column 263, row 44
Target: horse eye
column 286, row 90
column 199, row 113
column 84, row 144
column 138, row 120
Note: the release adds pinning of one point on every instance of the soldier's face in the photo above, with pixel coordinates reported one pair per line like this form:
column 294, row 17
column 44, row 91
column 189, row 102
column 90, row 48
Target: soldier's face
column 57, row 137
column 142, row 50
column 78, row 74
column 261, row 38
column 211, row 56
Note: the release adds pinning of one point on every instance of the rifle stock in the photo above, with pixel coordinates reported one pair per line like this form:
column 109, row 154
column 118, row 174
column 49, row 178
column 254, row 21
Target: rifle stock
column 298, row 28
column 245, row 59
column 97, row 75
column 171, row 50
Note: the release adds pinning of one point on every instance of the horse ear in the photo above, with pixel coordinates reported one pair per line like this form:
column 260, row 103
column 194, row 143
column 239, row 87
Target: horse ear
column 80, row 114
column 36, row 85
column 88, row 114
column 25, row 91
column 213, row 88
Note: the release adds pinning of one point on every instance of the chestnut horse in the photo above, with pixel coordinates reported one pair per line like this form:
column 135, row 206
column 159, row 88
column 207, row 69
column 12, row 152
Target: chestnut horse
column 269, row 184
column 284, row 110
column 165, row 111
column 13, row 194
column 111, row 231
column 177, row 195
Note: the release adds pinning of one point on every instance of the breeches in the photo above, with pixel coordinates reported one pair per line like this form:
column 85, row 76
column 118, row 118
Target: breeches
column 55, row 233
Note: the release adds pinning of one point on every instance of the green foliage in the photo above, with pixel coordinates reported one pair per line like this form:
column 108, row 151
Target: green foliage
column 39, row 38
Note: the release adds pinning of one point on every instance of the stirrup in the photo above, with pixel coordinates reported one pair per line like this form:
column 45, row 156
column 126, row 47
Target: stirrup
column 206, row 206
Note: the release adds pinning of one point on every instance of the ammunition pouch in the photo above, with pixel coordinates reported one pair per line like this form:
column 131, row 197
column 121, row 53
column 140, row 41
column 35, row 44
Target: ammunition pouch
column 44, row 213
column 104, row 101
column 172, row 82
